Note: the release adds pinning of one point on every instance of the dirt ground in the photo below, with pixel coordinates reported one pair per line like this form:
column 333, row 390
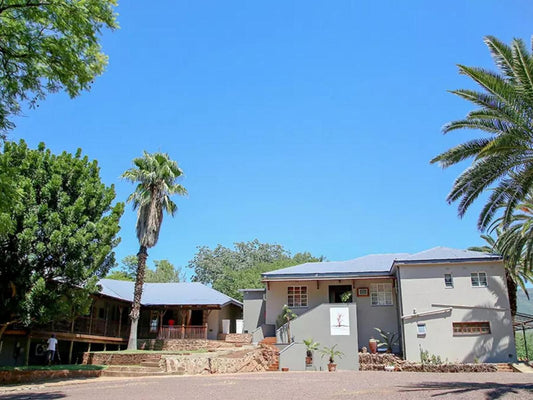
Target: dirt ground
column 286, row 385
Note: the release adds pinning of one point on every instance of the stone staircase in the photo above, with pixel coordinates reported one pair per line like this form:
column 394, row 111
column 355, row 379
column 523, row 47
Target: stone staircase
column 504, row 367
column 271, row 342
column 149, row 366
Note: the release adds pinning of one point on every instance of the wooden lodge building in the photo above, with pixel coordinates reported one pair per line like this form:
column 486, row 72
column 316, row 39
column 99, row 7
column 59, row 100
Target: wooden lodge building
column 185, row 310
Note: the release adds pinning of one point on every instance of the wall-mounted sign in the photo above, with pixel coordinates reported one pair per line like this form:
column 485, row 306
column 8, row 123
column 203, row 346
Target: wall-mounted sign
column 339, row 321
column 362, row 292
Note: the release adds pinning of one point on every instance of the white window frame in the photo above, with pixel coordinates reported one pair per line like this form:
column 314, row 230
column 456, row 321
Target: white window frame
column 304, row 297
column 381, row 294
column 421, row 329
column 478, row 275
column 446, row 283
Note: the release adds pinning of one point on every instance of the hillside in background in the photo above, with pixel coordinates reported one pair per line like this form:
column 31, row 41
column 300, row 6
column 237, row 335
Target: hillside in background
column 524, row 305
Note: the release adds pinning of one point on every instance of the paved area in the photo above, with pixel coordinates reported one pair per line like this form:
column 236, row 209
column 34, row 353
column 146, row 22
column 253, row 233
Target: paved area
column 286, row 386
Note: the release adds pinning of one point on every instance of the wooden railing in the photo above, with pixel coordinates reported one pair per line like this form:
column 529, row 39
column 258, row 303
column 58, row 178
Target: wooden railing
column 182, row 332
column 91, row 326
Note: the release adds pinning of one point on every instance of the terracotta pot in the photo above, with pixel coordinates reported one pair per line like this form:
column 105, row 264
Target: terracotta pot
column 308, row 360
column 373, row 346
column 332, row 367
column 285, row 369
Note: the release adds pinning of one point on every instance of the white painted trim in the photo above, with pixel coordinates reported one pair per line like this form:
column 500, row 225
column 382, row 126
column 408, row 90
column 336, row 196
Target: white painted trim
column 470, row 307
column 442, row 310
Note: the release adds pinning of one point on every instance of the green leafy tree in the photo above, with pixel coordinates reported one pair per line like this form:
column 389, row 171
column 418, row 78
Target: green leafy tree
column 126, row 271
column 49, row 46
column 228, row 270
column 64, row 231
column 164, row 272
column 503, row 157
column 156, row 176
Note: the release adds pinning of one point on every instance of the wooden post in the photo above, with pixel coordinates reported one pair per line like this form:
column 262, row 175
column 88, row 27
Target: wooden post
column 91, row 318
column 120, row 308
column 205, row 334
column 106, row 318
column 71, row 344
column 182, row 331
column 89, row 348
column 525, row 341
column 27, row 351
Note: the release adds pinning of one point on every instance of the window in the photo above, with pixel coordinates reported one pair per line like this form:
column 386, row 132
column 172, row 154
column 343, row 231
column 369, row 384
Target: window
column 381, row 294
column 421, row 329
column 448, row 280
column 471, row 328
column 479, row 279
column 297, row 296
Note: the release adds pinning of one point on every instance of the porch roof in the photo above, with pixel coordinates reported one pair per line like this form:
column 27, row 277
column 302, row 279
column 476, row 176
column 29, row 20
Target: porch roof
column 171, row 294
column 374, row 265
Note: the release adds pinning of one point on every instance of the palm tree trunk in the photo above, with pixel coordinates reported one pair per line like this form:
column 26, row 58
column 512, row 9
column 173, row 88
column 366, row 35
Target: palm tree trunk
column 136, row 307
column 511, row 290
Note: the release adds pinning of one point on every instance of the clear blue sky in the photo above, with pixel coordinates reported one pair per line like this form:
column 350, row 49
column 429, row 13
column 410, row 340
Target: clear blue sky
column 305, row 123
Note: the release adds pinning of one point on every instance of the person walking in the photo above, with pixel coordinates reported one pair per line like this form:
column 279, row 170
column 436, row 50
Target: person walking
column 52, row 346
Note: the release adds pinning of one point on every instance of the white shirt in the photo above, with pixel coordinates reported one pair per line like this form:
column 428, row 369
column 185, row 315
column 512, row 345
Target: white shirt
column 52, row 344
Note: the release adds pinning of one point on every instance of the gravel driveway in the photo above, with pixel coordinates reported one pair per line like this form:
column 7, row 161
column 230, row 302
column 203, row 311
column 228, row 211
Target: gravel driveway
column 286, row 386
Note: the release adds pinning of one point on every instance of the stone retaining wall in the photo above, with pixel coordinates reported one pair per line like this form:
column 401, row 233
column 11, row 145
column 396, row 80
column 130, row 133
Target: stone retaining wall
column 377, row 362
column 13, row 377
column 245, row 338
column 183, row 344
column 242, row 361
column 114, row 358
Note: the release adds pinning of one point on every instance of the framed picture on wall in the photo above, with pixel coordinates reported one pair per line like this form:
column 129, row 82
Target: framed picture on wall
column 362, row 292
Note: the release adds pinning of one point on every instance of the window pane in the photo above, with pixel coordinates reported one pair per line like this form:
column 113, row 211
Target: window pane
column 482, row 279
column 475, row 279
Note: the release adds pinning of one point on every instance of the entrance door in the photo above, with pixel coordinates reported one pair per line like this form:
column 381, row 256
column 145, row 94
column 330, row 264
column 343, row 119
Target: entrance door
column 336, row 293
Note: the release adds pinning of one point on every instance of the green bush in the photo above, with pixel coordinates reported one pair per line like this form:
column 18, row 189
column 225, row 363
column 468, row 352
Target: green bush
column 520, row 345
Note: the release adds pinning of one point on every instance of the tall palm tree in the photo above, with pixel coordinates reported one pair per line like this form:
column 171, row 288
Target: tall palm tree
column 504, row 157
column 516, row 241
column 156, row 176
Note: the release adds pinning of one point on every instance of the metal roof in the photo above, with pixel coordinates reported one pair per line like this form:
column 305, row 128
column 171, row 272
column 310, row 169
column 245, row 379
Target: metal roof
column 377, row 264
column 172, row 294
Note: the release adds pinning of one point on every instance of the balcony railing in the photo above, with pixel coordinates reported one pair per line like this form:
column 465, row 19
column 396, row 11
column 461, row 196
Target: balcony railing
column 182, row 332
column 94, row 326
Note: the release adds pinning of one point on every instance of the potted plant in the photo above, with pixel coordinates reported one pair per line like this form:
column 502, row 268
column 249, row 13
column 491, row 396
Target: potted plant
column 311, row 346
column 331, row 353
column 390, row 339
column 373, row 345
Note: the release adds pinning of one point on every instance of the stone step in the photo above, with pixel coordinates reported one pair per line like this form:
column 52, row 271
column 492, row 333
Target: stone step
column 132, row 368
column 152, row 364
column 131, row 373
column 502, row 367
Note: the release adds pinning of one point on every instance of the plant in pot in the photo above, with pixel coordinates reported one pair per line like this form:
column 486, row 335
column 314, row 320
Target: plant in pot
column 390, row 339
column 311, row 346
column 286, row 316
column 331, row 353
column 373, row 345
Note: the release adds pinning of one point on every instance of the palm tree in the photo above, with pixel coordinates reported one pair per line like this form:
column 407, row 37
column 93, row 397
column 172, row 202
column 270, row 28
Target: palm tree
column 516, row 241
column 503, row 158
column 514, row 272
column 156, row 175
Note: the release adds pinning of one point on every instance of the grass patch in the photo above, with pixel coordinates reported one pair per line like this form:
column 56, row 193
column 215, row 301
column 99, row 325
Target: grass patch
column 520, row 345
column 149, row 351
column 69, row 367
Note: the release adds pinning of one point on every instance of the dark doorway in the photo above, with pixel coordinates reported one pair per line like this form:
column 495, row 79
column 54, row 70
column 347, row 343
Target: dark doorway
column 336, row 293
column 197, row 317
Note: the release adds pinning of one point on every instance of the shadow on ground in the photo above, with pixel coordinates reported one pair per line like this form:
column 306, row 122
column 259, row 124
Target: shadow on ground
column 33, row 396
column 492, row 390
